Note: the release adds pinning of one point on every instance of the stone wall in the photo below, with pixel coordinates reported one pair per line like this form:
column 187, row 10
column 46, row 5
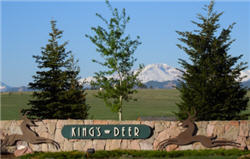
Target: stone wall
column 238, row 131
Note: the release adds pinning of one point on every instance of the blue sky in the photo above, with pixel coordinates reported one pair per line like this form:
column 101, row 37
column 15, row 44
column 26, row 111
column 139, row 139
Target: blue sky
column 25, row 27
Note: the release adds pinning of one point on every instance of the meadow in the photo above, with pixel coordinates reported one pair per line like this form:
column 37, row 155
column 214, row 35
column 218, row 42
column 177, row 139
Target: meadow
column 150, row 103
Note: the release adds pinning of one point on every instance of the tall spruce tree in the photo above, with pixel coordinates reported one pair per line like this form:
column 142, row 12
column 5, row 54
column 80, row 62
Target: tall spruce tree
column 211, row 82
column 58, row 94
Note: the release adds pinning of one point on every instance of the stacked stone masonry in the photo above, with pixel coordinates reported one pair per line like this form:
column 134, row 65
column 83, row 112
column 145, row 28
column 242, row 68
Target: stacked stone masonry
column 238, row 131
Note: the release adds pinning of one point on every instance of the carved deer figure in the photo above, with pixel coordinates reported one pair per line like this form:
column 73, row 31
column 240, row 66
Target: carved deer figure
column 189, row 136
column 28, row 135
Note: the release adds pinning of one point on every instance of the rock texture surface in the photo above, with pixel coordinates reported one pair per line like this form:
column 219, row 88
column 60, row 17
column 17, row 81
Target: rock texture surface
column 238, row 131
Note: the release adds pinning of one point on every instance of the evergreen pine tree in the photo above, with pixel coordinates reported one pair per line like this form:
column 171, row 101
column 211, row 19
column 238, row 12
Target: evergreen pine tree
column 58, row 94
column 211, row 82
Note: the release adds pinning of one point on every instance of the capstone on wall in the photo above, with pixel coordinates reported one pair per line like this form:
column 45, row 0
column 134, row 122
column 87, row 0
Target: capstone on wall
column 238, row 131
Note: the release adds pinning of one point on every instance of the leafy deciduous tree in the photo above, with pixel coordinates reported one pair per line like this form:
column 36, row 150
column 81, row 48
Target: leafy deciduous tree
column 118, row 81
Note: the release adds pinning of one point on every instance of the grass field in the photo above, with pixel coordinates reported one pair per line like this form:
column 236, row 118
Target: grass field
column 149, row 103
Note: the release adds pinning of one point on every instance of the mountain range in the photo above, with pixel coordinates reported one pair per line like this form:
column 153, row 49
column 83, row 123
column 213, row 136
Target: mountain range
column 161, row 76
column 153, row 75
column 6, row 88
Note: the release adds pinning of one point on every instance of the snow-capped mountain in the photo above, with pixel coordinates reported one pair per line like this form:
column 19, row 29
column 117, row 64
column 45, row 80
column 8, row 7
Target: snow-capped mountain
column 159, row 73
column 247, row 74
column 3, row 87
column 153, row 75
column 162, row 76
column 6, row 88
column 153, row 72
column 87, row 80
column 164, row 72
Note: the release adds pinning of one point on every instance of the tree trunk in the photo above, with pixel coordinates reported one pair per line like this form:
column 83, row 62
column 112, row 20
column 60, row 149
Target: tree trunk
column 120, row 110
column 120, row 115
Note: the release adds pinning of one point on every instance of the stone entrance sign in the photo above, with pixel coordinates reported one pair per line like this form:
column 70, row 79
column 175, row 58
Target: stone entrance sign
column 166, row 135
column 107, row 131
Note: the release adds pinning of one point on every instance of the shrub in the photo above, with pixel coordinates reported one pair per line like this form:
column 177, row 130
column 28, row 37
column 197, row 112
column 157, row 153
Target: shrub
column 135, row 153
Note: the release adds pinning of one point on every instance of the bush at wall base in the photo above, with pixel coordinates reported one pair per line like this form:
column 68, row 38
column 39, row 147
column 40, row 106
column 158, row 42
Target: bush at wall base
column 137, row 154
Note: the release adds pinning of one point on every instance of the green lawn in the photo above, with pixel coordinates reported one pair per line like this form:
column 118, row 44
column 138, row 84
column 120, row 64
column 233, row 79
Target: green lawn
column 149, row 103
